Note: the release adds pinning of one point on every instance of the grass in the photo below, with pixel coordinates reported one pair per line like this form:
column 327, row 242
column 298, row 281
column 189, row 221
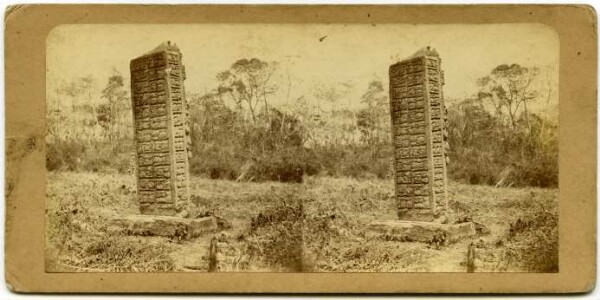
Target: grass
column 77, row 210
column 334, row 212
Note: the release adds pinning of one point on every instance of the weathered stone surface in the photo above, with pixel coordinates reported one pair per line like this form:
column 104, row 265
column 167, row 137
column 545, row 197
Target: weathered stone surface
column 418, row 126
column 161, row 131
column 149, row 225
column 415, row 231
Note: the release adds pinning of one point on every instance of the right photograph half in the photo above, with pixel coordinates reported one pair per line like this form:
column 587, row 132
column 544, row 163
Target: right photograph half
column 474, row 169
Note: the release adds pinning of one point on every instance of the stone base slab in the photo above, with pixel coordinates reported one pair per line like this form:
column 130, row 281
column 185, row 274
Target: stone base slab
column 150, row 225
column 416, row 231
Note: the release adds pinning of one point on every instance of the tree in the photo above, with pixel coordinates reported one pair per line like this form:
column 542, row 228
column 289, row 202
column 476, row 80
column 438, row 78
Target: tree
column 375, row 96
column 331, row 94
column 108, row 114
column 210, row 117
column 286, row 130
column 77, row 87
column 247, row 83
column 310, row 117
column 65, row 106
column 338, row 123
column 508, row 89
column 373, row 121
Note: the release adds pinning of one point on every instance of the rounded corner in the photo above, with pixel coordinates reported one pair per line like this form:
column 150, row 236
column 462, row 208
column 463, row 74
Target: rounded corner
column 551, row 29
column 53, row 31
column 590, row 11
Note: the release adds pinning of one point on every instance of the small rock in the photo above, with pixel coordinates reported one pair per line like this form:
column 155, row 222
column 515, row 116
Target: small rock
column 481, row 229
column 183, row 214
column 223, row 237
column 223, row 224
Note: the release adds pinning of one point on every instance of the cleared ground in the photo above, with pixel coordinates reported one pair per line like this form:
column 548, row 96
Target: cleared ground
column 334, row 213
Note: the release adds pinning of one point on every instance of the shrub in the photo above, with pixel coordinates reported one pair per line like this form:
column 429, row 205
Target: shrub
column 532, row 242
column 66, row 155
column 486, row 150
column 288, row 165
column 53, row 158
column 286, row 236
column 75, row 155
column 215, row 163
column 356, row 161
column 278, row 234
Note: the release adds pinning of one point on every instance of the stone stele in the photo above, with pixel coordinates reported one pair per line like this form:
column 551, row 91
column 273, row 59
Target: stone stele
column 162, row 140
column 160, row 118
column 419, row 138
column 418, row 126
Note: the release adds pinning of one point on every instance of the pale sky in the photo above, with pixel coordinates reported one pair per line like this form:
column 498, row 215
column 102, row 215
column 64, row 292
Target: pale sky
column 354, row 54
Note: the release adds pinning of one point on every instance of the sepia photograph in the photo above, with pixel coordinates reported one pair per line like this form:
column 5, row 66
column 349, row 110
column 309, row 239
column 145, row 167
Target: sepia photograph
column 313, row 147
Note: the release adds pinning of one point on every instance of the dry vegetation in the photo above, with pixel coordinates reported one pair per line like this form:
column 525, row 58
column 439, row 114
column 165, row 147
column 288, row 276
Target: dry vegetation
column 313, row 226
column 300, row 182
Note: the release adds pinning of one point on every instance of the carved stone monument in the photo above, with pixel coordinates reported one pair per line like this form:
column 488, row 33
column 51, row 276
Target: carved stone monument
column 419, row 138
column 160, row 121
column 162, row 138
column 418, row 126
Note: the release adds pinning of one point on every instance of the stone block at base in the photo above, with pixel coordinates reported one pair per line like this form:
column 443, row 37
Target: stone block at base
column 415, row 231
column 150, row 225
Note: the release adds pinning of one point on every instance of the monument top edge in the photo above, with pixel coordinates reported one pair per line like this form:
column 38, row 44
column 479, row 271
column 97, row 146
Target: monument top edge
column 427, row 51
column 163, row 47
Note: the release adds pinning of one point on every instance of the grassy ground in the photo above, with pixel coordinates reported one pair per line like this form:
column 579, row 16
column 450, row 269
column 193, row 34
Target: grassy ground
column 328, row 229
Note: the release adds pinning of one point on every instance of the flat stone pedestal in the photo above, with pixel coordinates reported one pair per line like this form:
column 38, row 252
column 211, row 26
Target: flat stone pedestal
column 415, row 231
column 149, row 225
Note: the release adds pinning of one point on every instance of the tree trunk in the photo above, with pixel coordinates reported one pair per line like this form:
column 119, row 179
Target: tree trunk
column 212, row 255
column 527, row 118
column 471, row 258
